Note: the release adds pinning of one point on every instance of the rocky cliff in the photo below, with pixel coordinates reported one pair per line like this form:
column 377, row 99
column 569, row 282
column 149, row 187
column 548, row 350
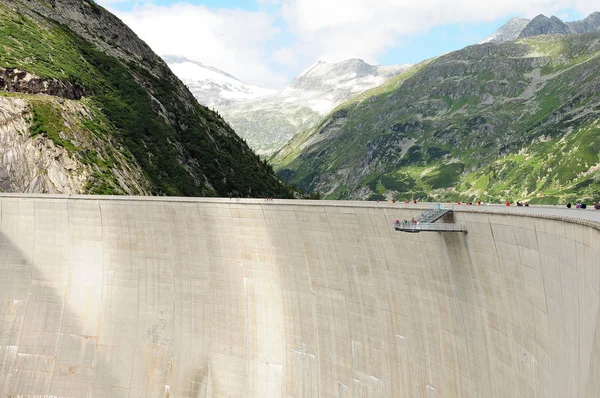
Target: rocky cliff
column 18, row 81
column 36, row 162
column 76, row 51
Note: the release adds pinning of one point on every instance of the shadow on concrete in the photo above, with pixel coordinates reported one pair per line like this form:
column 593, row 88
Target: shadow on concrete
column 45, row 347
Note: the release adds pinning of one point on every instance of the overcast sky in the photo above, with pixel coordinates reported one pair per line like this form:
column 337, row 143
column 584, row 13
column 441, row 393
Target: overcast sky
column 267, row 42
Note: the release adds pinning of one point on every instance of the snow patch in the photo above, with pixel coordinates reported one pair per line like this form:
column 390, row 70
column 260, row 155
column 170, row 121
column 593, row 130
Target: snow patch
column 201, row 77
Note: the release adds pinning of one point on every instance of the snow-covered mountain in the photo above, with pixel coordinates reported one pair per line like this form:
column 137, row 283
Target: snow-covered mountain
column 213, row 87
column 267, row 119
column 323, row 86
column 267, row 123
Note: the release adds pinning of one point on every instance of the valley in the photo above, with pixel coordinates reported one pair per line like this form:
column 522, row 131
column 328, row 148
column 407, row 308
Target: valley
column 267, row 120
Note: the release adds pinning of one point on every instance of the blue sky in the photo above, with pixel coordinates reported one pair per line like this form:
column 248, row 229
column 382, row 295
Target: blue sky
column 267, row 42
column 446, row 38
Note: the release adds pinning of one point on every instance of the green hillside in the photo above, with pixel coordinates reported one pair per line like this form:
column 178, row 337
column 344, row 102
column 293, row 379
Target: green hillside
column 493, row 122
column 83, row 53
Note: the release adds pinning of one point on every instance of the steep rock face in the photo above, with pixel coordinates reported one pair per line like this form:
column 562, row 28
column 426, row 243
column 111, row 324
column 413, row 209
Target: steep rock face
column 542, row 25
column 33, row 165
column 494, row 122
column 18, row 81
column 182, row 147
column 38, row 164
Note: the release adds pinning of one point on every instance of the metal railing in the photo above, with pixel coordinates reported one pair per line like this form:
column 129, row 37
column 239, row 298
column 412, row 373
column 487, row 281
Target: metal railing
column 429, row 227
column 432, row 216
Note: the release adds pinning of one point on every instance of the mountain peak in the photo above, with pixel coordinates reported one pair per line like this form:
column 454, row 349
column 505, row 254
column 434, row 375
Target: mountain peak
column 540, row 17
column 508, row 32
column 349, row 69
column 589, row 24
column 542, row 25
column 594, row 15
column 320, row 67
column 176, row 58
column 518, row 28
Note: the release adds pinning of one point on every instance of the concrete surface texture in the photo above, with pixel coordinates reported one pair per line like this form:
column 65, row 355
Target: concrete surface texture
column 105, row 297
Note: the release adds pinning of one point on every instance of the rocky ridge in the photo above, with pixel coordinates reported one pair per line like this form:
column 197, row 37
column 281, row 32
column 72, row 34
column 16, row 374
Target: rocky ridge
column 519, row 28
column 589, row 24
column 542, row 25
column 92, row 22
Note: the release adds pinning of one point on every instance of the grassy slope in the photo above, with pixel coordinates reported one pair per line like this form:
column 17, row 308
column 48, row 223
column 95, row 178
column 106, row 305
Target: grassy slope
column 493, row 122
column 182, row 150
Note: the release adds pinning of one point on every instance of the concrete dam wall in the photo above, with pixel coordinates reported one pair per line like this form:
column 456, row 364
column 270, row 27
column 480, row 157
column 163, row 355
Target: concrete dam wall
column 109, row 297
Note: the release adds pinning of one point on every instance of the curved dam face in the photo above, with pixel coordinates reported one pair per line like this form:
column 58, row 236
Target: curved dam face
column 166, row 298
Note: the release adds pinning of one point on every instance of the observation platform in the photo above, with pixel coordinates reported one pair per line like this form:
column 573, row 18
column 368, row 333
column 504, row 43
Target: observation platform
column 428, row 223
column 429, row 227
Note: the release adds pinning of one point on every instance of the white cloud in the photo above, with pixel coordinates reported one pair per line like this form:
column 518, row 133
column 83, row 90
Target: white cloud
column 286, row 57
column 334, row 29
column 231, row 40
column 241, row 42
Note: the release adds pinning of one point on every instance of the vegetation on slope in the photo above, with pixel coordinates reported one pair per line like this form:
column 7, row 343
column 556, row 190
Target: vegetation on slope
column 491, row 122
column 182, row 147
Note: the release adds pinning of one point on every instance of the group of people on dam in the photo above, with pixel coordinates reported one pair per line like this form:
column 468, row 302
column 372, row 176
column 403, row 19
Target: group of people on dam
column 579, row 205
column 413, row 222
column 595, row 205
